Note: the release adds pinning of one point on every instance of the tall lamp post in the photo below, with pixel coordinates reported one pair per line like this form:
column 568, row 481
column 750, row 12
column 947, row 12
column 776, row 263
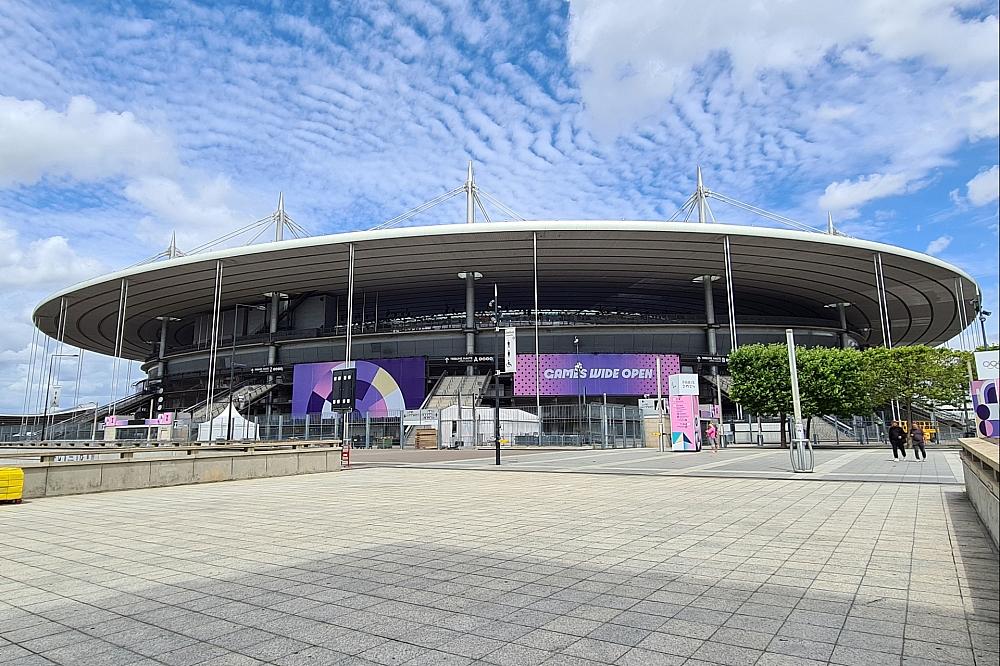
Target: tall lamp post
column 983, row 314
column 48, row 387
column 232, row 368
column 578, row 367
column 496, row 369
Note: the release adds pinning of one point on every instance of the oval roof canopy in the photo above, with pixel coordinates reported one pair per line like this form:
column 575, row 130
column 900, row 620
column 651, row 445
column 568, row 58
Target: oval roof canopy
column 605, row 265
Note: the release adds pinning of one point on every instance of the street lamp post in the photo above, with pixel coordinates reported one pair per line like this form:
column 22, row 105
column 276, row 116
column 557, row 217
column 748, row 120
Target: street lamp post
column 578, row 366
column 232, row 368
column 983, row 314
column 48, row 387
column 496, row 370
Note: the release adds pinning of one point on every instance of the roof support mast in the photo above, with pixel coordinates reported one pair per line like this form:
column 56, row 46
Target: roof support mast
column 702, row 198
column 711, row 340
column 470, row 273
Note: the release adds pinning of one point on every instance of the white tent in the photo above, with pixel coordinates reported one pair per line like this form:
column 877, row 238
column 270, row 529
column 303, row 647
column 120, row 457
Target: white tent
column 218, row 428
column 474, row 427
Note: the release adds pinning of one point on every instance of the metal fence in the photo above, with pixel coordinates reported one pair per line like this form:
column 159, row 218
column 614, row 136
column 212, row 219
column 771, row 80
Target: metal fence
column 594, row 425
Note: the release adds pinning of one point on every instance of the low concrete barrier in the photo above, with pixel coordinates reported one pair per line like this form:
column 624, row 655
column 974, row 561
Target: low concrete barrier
column 72, row 478
column 981, row 465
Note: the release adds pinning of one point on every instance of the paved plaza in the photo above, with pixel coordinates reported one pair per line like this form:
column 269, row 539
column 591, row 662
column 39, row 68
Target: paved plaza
column 409, row 565
column 842, row 464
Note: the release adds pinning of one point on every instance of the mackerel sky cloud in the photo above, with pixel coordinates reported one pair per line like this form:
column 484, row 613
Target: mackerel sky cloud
column 120, row 124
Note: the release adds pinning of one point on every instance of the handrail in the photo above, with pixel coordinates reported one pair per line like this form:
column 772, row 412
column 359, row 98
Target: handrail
column 454, row 322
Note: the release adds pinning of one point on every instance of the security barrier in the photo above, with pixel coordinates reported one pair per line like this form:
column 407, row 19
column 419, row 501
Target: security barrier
column 11, row 484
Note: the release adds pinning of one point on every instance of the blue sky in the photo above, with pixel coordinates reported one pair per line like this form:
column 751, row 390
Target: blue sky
column 122, row 122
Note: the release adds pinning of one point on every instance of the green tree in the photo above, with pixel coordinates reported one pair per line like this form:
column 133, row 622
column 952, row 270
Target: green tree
column 917, row 374
column 831, row 381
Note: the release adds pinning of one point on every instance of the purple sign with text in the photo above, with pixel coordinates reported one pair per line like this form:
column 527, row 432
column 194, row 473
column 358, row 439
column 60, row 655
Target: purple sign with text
column 614, row 374
column 383, row 386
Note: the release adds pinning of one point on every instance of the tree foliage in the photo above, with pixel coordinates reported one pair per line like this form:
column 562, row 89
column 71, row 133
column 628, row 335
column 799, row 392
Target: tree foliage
column 918, row 374
column 846, row 382
column 831, row 381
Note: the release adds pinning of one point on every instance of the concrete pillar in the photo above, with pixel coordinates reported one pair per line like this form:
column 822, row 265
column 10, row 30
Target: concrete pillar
column 272, row 348
column 842, row 311
column 470, row 316
column 161, row 364
column 710, row 333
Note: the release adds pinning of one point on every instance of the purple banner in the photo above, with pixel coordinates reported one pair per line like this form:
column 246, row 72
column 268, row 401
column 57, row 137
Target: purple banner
column 614, row 374
column 384, row 385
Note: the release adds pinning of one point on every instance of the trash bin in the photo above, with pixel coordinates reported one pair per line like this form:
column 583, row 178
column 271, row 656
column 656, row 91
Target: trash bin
column 11, row 485
column 385, row 443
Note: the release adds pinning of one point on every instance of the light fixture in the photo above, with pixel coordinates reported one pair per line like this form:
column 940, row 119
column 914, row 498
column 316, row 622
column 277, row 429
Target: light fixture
column 701, row 278
column 476, row 275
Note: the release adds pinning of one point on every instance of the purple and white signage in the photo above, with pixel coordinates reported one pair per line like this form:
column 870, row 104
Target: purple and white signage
column 614, row 374
column 383, row 385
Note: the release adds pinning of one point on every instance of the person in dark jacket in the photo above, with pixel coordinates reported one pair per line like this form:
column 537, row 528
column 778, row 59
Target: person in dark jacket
column 917, row 442
column 897, row 438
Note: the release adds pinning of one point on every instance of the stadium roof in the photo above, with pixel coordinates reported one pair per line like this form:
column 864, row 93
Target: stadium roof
column 624, row 263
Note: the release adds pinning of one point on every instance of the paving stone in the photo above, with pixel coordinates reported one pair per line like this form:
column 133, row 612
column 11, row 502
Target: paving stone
column 671, row 644
column 741, row 638
column 597, row 560
column 640, row 657
column 730, row 655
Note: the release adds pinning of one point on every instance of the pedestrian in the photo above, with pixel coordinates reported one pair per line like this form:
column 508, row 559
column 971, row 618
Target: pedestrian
column 897, row 438
column 917, row 442
column 713, row 437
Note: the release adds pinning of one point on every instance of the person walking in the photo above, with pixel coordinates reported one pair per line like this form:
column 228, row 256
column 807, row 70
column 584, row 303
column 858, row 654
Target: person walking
column 897, row 438
column 712, row 434
column 917, row 442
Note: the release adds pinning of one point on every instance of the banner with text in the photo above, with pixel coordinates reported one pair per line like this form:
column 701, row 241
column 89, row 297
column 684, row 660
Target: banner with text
column 383, row 386
column 593, row 374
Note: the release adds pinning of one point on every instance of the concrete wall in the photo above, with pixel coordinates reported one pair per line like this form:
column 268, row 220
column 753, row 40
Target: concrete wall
column 982, row 494
column 73, row 478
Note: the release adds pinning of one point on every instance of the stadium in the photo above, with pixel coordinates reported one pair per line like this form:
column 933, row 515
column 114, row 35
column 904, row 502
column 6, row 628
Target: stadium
column 424, row 313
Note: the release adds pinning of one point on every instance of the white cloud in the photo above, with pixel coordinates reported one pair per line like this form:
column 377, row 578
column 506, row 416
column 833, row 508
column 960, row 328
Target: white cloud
column 41, row 264
column 939, row 245
column 633, row 55
column 203, row 211
column 984, row 188
column 80, row 143
column 850, row 194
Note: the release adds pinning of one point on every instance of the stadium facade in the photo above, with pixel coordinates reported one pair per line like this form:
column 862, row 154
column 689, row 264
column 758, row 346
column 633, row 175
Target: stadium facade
column 420, row 304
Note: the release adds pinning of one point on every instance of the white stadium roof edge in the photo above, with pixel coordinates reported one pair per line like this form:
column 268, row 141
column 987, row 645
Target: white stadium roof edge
column 923, row 293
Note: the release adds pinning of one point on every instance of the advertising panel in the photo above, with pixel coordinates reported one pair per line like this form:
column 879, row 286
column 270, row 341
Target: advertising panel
column 383, row 385
column 593, row 374
column 685, row 428
column 987, row 407
column 987, row 364
column 683, row 384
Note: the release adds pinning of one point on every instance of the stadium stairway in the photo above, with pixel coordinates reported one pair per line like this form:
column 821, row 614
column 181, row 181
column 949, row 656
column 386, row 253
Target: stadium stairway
column 447, row 392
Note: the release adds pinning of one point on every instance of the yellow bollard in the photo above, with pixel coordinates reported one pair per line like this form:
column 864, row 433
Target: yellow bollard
column 11, row 485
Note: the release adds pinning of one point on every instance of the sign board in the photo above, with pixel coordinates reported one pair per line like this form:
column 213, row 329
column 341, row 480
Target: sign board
column 164, row 419
column 709, row 412
column 510, row 349
column 987, row 364
column 383, row 386
column 591, row 374
column 685, row 429
column 418, row 416
column 267, row 369
column 475, row 359
column 713, row 360
column 650, row 407
column 986, row 407
column 683, row 384
column 341, row 396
